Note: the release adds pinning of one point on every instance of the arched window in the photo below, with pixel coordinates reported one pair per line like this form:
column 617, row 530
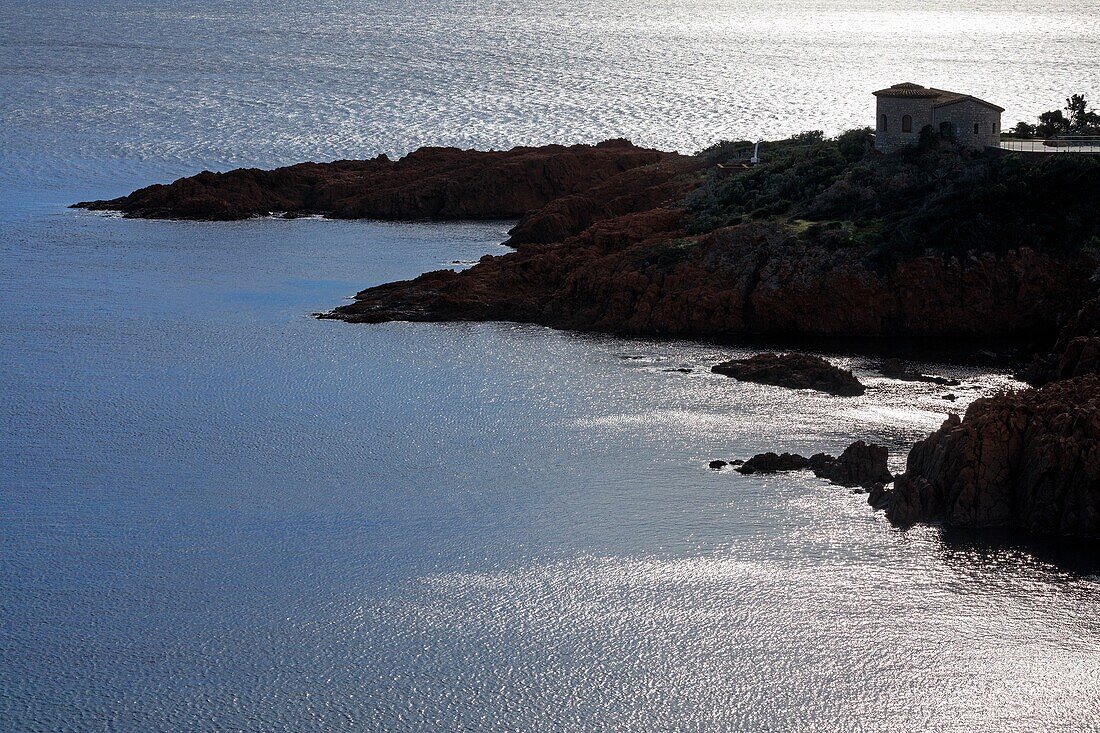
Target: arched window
column 884, row 123
column 906, row 123
column 975, row 128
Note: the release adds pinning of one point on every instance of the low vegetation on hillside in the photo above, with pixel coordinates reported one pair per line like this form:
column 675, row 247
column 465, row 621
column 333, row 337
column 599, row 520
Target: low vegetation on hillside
column 837, row 192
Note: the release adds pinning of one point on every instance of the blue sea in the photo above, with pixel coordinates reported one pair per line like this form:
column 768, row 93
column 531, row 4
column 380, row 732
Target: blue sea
column 220, row 514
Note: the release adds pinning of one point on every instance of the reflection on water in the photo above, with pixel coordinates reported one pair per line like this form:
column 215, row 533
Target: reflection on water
column 997, row 548
column 219, row 513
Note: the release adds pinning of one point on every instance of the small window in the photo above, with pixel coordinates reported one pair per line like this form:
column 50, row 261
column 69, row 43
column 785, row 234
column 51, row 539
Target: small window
column 884, row 123
column 975, row 128
column 906, row 124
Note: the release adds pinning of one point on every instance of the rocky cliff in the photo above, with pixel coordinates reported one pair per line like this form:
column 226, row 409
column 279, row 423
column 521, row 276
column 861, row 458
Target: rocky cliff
column 641, row 274
column 1028, row 460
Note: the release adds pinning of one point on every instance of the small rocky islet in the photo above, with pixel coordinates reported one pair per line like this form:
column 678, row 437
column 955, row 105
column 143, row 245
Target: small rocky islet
column 823, row 238
column 796, row 371
column 860, row 465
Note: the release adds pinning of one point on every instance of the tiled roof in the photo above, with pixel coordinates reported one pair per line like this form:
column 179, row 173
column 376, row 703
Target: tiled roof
column 939, row 97
column 908, row 90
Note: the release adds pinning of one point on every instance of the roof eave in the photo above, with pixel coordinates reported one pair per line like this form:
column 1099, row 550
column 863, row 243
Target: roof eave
column 968, row 98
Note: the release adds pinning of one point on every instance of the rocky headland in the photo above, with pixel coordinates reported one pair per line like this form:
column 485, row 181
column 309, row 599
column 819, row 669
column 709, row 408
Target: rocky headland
column 823, row 238
column 584, row 182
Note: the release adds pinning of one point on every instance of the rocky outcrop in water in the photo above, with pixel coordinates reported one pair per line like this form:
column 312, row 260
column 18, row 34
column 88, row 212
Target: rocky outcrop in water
column 1028, row 460
column 817, row 240
column 629, row 240
column 586, row 183
column 861, row 464
column 773, row 463
column 797, row 371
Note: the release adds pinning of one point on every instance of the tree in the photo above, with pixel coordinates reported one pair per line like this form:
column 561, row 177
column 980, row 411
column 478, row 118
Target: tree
column 1023, row 129
column 1078, row 108
column 1052, row 123
column 1081, row 118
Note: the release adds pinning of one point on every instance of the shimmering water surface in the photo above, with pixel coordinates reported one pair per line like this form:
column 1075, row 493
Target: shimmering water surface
column 217, row 514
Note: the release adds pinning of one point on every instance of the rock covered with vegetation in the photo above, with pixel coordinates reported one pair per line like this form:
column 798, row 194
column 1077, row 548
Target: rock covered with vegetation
column 823, row 237
column 820, row 238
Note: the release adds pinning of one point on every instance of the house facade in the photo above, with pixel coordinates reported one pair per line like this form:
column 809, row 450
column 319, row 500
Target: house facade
column 903, row 110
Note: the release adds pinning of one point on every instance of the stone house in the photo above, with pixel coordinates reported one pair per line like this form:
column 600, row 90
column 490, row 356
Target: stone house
column 903, row 110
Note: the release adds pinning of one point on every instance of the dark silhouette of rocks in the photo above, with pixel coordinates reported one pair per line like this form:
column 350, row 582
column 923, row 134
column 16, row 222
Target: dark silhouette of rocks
column 896, row 369
column 797, row 371
column 1028, row 460
column 879, row 496
column 1081, row 357
column 1075, row 353
column 861, row 464
column 718, row 464
column 773, row 463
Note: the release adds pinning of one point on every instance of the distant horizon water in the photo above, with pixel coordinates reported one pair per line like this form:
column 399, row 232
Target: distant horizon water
column 165, row 89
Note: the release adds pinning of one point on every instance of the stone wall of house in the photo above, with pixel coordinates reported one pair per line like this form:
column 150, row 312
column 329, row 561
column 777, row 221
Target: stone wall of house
column 975, row 125
column 891, row 136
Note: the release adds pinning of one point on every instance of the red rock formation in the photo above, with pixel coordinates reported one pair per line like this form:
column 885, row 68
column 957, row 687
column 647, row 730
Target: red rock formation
column 1027, row 460
column 429, row 183
column 637, row 189
column 640, row 274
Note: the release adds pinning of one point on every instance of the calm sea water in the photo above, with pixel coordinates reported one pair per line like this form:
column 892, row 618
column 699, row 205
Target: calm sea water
column 217, row 514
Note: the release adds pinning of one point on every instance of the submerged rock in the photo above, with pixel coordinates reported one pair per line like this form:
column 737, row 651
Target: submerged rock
column 798, row 371
column 896, row 369
column 1028, row 460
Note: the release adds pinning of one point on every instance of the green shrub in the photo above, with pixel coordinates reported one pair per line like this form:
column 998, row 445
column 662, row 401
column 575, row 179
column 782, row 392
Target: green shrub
column 930, row 196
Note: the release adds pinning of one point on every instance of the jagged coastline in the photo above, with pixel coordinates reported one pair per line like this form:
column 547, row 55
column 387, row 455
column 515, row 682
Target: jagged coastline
column 824, row 238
